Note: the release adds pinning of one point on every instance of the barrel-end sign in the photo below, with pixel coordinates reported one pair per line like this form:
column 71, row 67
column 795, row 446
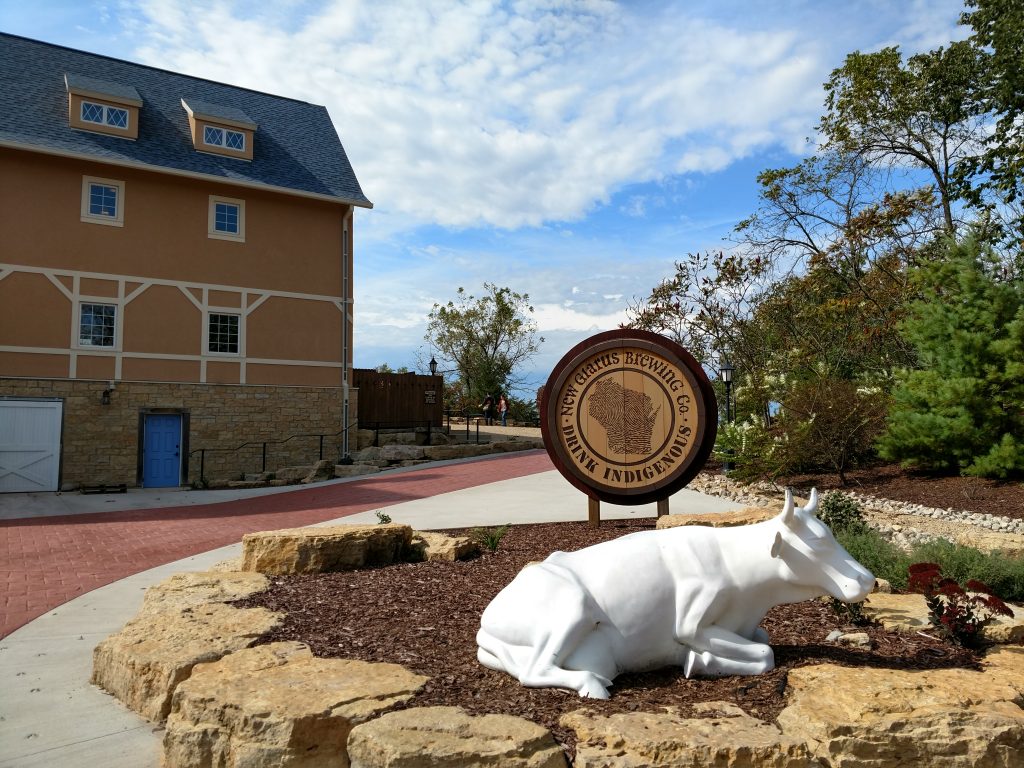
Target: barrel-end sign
column 628, row 417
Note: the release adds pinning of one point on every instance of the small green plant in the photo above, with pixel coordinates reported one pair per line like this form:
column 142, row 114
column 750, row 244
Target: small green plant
column 955, row 612
column 851, row 612
column 383, row 518
column 489, row 538
column 841, row 513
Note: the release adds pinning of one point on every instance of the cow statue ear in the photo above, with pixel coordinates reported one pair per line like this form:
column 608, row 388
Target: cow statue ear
column 777, row 544
column 787, row 509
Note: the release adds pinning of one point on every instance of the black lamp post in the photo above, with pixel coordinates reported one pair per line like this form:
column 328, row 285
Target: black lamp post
column 433, row 366
column 726, row 372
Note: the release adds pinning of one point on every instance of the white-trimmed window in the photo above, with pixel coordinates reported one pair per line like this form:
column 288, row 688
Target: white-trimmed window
column 224, row 137
column 223, row 334
column 104, row 114
column 227, row 218
column 103, row 201
column 97, row 324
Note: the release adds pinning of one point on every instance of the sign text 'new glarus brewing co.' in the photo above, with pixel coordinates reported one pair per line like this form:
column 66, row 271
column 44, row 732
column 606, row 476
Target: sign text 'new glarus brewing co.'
column 629, row 417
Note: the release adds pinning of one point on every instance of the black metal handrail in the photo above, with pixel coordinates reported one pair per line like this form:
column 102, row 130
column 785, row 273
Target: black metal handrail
column 264, row 443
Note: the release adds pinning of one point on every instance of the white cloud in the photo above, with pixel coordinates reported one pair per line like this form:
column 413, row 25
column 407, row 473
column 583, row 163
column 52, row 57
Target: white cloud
column 484, row 113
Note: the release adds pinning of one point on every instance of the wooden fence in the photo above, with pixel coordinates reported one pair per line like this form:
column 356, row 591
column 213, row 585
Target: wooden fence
column 398, row 399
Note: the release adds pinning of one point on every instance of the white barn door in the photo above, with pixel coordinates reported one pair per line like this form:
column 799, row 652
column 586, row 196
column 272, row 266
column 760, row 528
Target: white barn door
column 30, row 445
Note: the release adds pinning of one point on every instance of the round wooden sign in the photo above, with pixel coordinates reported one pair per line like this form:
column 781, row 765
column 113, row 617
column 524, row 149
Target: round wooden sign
column 628, row 417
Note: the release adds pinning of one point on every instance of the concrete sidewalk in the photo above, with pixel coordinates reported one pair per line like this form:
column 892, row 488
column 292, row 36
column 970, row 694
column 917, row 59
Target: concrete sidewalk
column 51, row 716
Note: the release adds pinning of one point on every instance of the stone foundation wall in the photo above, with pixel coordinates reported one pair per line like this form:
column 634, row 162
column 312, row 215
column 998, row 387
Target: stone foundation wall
column 101, row 442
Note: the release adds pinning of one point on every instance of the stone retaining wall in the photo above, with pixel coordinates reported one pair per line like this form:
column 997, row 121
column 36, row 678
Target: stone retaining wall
column 101, row 442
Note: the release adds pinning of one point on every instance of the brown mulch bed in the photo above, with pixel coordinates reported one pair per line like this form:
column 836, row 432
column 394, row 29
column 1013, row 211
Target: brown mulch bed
column 424, row 616
column 890, row 481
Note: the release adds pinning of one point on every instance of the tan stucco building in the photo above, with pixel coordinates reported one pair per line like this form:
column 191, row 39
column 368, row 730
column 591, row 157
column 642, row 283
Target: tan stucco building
column 175, row 275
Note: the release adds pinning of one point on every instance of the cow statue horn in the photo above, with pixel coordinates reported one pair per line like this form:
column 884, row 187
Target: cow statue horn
column 812, row 502
column 788, row 509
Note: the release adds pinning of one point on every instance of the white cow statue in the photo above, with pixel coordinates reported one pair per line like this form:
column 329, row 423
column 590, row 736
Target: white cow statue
column 691, row 596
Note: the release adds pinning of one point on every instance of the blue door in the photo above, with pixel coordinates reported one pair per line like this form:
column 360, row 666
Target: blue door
column 161, row 458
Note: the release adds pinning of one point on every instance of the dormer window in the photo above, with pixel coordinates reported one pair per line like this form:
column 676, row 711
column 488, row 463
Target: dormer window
column 104, row 114
column 100, row 106
column 220, row 130
column 222, row 137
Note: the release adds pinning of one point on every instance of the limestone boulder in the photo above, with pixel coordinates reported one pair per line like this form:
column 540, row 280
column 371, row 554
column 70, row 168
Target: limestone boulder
column 729, row 738
column 189, row 589
column 899, row 612
column 322, row 470
column 324, row 549
column 448, row 737
column 444, row 452
column 243, row 484
column 910, row 612
column 745, row 516
column 430, row 546
column 364, row 438
column 886, row 718
column 399, row 453
column 354, row 470
column 143, row 663
column 278, row 705
column 291, row 474
column 370, row 453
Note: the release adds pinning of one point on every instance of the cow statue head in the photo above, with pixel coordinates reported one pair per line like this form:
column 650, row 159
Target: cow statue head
column 813, row 557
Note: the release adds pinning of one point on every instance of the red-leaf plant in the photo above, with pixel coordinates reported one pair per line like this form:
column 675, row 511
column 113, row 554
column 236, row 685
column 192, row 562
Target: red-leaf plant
column 955, row 612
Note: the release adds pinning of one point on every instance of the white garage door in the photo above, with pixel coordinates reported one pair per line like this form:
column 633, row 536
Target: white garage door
column 29, row 445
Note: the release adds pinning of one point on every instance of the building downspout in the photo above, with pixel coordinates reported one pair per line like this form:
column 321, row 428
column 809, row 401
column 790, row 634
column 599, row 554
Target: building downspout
column 346, row 292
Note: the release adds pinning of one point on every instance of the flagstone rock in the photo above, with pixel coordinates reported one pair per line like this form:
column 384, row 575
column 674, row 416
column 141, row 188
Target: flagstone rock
column 910, row 613
column 885, row 718
column 731, row 739
column 448, row 737
column 745, row 516
column 445, row 452
column 278, row 705
column 324, row 549
column 398, row 453
column 322, row 470
column 189, row 589
column 143, row 663
column 438, row 546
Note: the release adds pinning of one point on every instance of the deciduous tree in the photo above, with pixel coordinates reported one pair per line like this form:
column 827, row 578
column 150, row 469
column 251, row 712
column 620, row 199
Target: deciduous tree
column 486, row 340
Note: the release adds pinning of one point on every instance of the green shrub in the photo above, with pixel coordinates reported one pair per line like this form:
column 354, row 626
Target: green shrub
column 841, row 513
column 1003, row 574
column 880, row 556
column 383, row 518
column 489, row 538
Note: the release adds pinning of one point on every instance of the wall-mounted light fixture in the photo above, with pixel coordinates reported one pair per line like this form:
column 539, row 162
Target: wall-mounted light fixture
column 105, row 397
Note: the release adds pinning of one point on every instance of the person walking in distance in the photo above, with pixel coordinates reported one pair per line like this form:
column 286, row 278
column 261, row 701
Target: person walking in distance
column 503, row 410
column 487, row 406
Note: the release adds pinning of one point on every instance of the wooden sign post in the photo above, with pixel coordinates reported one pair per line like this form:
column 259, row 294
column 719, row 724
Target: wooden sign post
column 628, row 417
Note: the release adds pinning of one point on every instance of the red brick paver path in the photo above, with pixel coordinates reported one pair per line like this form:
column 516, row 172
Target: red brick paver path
column 46, row 561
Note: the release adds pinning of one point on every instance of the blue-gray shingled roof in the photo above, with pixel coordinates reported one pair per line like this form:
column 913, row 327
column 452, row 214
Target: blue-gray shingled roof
column 296, row 145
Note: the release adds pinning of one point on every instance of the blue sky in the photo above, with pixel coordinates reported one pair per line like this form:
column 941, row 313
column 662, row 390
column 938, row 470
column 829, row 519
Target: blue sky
column 568, row 150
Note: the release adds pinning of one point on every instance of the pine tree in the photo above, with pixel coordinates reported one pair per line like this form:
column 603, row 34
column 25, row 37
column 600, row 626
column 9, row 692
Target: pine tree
column 963, row 410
